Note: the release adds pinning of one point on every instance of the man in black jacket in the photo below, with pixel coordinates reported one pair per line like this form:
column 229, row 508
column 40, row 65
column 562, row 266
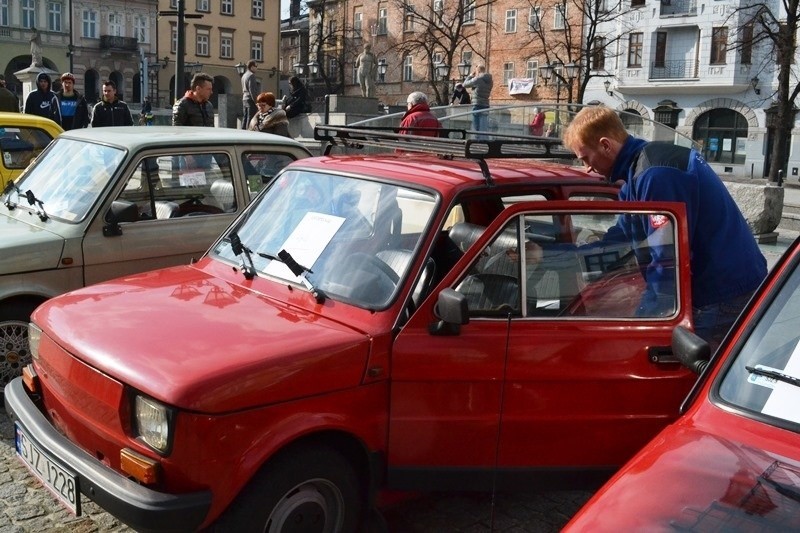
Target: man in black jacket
column 111, row 111
column 194, row 109
column 74, row 109
column 43, row 101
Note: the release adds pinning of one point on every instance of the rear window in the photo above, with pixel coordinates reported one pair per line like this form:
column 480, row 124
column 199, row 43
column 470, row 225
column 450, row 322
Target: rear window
column 20, row 145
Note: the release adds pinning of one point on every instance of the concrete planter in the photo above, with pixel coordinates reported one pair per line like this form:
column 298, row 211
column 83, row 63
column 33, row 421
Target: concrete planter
column 761, row 204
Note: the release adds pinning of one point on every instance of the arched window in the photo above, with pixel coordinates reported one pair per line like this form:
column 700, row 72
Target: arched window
column 722, row 133
column 633, row 122
column 91, row 86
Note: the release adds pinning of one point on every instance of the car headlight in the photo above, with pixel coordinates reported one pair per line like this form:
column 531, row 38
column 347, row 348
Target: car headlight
column 34, row 338
column 153, row 422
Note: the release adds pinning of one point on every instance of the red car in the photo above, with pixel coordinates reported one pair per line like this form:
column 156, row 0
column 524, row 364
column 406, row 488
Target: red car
column 370, row 322
column 731, row 462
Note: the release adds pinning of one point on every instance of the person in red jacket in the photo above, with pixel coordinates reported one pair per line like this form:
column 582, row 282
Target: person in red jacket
column 419, row 116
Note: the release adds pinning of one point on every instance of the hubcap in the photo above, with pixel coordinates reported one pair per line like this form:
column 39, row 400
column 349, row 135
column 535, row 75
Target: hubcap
column 315, row 506
column 14, row 350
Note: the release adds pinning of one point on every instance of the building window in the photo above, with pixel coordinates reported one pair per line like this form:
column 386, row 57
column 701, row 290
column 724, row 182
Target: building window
column 28, row 13
column 173, row 44
column 358, row 21
column 532, row 70
column 560, row 16
column 54, row 16
column 469, row 11
column 226, row 45
column 438, row 9
column 173, row 4
column 635, row 41
column 660, row 57
column 89, row 23
column 3, row 12
column 204, row 6
column 256, row 48
column 599, row 53
column 257, row 10
column 508, row 72
column 511, row 21
column 115, row 24
column 408, row 68
column 722, row 133
column 747, row 44
column 535, row 19
column 140, row 28
column 637, row 3
column 202, row 45
column 719, row 45
column 383, row 21
column 408, row 18
column 226, row 7
column 466, row 57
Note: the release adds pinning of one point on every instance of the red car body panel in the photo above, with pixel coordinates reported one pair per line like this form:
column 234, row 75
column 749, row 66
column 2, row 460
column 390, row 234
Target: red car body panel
column 715, row 468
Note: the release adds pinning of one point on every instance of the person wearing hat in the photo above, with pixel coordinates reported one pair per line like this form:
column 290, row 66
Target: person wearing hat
column 460, row 96
column 73, row 106
column 8, row 100
column 43, row 101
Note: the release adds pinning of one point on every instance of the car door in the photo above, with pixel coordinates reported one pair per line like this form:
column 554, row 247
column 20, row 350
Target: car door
column 564, row 363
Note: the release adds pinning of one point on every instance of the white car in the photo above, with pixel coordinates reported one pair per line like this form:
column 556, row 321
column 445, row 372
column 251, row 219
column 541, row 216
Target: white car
column 108, row 202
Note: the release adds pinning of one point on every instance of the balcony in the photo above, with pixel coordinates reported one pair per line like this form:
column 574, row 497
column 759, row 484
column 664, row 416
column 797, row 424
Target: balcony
column 113, row 42
column 674, row 69
column 678, row 8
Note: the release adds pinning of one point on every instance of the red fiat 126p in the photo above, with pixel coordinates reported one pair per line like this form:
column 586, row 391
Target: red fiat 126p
column 422, row 321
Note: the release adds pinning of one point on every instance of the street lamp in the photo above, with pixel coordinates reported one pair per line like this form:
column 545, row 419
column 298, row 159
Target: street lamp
column 464, row 68
column 180, row 48
column 382, row 66
column 240, row 68
column 194, row 68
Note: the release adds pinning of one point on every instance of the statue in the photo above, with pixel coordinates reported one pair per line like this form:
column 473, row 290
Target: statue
column 36, row 49
column 367, row 66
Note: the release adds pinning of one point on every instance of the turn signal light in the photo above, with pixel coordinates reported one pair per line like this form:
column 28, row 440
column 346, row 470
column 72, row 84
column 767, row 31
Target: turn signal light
column 30, row 379
column 141, row 468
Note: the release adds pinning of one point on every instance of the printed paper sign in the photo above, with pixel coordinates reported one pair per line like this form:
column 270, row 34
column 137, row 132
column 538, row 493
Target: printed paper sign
column 306, row 243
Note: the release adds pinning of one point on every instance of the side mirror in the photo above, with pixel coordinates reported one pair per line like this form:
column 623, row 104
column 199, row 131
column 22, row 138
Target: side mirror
column 693, row 352
column 120, row 211
column 452, row 309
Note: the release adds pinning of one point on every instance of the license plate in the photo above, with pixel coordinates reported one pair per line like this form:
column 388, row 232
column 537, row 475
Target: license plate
column 60, row 481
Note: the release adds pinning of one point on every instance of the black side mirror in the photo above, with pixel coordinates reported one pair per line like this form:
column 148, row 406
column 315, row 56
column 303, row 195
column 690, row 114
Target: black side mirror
column 693, row 352
column 120, row 211
column 452, row 309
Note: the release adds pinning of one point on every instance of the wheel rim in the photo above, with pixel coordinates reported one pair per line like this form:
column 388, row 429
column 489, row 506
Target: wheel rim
column 314, row 506
column 14, row 350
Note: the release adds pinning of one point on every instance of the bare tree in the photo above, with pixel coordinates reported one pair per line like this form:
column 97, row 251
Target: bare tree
column 763, row 25
column 327, row 44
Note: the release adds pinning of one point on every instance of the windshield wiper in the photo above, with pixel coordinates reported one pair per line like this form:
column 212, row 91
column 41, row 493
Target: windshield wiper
column 36, row 203
column 298, row 270
column 248, row 268
column 786, row 490
column 779, row 376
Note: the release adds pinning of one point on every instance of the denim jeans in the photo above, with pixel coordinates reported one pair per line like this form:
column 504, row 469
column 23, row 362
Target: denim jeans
column 248, row 112
column 480, row 121
column 712, row 322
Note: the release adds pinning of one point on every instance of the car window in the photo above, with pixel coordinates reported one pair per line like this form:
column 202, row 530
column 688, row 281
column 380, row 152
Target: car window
column 172, row 186
column 576, row 266
column 20, row 145
column 773, row 346
column 261, row 167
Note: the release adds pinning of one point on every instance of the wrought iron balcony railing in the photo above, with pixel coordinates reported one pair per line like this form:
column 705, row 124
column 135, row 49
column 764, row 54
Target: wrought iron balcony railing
column 113, row 42
column 673, row 68
column 678, row 7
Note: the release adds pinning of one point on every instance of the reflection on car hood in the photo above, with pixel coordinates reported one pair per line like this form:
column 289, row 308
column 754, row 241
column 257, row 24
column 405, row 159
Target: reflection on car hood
column 27, row 247
column 690, row 480
column 203, row 344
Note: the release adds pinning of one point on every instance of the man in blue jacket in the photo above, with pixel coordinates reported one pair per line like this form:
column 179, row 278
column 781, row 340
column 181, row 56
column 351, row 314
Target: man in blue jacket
column 726, row 263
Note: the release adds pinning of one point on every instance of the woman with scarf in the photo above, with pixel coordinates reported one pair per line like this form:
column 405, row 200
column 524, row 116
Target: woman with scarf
column 268, row 118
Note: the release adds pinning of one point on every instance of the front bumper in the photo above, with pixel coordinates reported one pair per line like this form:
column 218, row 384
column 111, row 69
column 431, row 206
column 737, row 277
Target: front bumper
column 141, row 508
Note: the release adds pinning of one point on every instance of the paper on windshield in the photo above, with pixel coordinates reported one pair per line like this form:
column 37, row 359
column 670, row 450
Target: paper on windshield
column 306, row 243
column 785, row 397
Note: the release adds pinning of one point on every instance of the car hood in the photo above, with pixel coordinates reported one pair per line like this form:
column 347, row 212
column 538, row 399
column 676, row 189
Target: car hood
column 691, row 480
column 201, row 343
column 26, row 247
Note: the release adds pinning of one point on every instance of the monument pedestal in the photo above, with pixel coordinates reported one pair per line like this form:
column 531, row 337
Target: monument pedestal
column 27, row 77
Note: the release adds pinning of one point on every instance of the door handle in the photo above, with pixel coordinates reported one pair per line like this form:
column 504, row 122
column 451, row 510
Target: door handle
column 662, row 355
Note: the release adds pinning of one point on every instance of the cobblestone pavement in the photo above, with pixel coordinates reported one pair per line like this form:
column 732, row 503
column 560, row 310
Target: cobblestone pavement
column 26, row 507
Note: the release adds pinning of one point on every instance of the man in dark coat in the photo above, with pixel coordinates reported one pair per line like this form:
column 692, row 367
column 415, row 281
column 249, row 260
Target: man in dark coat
column 43, row 101
column 8, row 100
column 297, row 101
column 73, row 106
column 194, row 109
column 111, row 111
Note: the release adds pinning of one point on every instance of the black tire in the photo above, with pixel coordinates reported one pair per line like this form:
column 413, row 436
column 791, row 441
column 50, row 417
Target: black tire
column 310, row 489
column 15, row 352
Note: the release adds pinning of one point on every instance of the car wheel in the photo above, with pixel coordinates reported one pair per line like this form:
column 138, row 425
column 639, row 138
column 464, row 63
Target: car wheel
column 14, row 350
column 305, row 490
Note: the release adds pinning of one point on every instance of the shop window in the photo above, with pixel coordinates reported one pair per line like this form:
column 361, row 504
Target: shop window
column 722, row 135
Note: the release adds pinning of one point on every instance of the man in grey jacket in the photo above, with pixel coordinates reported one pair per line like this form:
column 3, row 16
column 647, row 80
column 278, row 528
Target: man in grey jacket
column 250, row 91
column 481, row 84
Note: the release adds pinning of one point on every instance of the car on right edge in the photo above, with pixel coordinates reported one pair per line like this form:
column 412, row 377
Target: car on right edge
column 731, row 462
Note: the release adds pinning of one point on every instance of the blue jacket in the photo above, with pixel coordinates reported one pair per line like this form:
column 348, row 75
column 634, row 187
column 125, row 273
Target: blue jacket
column 725, row 260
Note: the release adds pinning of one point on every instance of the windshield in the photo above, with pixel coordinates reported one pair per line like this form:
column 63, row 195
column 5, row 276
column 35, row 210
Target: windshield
column 355, row 237
column 68, row 178
column 760, row 377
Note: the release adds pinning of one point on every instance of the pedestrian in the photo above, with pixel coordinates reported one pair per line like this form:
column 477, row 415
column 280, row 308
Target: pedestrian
column 268, row 118
column 146, row 114
column 73, row 106
column 111, row 111
column 195, row 109
column 297, row 100
column 551, row 130
column 460, row 96
column 419, row 115
column 536, row 127
column 250, row 91
column 726, row 263
column 481, row 84
column 8, row 100
column 43, row 101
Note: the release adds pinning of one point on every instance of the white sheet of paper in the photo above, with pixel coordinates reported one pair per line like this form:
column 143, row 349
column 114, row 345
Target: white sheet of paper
column 189, row 179
column 784, row 401
column 306, row 243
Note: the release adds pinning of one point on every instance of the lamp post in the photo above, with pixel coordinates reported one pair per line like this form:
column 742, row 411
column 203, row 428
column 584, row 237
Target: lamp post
column 180, row 49
column 570, row 71
column 240, row 68
column 382, row 66
column 442, row 71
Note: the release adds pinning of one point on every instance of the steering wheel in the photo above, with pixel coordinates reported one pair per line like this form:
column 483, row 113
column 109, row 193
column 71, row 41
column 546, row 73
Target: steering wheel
column 367, row 259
